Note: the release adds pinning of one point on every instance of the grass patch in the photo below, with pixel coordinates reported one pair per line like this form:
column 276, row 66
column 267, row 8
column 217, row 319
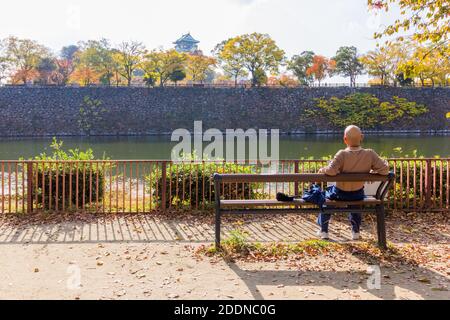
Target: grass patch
column 237, row 246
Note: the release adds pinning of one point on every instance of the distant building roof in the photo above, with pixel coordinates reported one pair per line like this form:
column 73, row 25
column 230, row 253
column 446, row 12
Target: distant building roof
column 186, row 38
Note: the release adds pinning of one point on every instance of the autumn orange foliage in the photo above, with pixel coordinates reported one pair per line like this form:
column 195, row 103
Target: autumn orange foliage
column 321, row 68
column 84, row 76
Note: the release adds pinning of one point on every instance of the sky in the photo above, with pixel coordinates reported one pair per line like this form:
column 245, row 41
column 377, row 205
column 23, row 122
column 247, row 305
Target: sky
column 296, row 25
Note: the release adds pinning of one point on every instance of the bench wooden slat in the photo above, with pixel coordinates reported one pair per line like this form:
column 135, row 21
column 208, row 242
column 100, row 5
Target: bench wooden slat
column 299, row 202
column 301, row 177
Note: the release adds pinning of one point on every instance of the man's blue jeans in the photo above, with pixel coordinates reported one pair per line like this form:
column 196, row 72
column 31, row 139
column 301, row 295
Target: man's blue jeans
column 333, row 193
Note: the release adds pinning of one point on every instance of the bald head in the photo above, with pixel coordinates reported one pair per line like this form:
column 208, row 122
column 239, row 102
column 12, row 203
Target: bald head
column 353, row 136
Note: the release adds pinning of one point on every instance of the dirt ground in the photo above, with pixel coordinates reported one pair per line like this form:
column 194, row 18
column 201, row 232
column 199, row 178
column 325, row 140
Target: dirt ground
column 154, row 257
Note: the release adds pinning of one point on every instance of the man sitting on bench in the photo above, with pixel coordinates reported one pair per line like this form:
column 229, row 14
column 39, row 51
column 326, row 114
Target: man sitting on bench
column 353, row 159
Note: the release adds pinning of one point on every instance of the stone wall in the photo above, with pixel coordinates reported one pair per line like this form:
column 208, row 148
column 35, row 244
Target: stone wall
column 34, row 111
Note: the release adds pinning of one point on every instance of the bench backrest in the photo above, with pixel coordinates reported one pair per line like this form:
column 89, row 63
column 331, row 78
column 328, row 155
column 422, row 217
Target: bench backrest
column 386, row 181
column 301, row 177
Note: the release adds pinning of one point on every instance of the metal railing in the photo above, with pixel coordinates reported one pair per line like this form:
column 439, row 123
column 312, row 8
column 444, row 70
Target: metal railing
column 138, row 186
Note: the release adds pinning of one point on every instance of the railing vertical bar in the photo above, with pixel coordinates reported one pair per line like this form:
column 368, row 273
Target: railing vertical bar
column 421, row 197
column 30, row 178
column 223, row 184
column 170, row 185
column 434, row 184
column 123, row 187
column 70, row 185
column 3, row 187
column 428, row 184
column 163, row 185
column 117, row 185
column 144, row 179
column 441, row 183
column 203, row 184
column 197, row 194
column 50, row 185
column 407, row 184
column 177, row 195
column 110, row 186
column 91, row 185
column 43, row 186
column 183, row 170
column 448, row 185
column 190, row 185
column 16, row 165
column 395, row 185
column 415, row 186
column 57, row 187
column 158, row 196
column 97, row 186
column 83, row 194
column 137, row 186
column 131, row 187
column 9, row 187
column 237, row 184
column 104, row 183
column 64, row 187
column 77, row 186
column 151, row 185
column 401, row 185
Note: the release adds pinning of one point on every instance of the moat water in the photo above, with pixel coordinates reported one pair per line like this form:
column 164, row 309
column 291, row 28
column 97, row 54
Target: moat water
column 291, row 147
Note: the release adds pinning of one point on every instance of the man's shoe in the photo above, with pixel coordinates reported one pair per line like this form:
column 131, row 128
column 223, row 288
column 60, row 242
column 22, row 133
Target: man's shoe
column 323, row 235
column 356, row 236
column 284, row 197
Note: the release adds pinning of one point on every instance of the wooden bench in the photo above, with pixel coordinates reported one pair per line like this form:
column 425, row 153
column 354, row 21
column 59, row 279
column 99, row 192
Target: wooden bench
column 371, row 204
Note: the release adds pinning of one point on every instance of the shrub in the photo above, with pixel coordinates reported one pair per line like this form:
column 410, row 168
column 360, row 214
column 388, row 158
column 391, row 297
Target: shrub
column 48, row 172
column 365, row 110
column 195, row 184
column 90, row 114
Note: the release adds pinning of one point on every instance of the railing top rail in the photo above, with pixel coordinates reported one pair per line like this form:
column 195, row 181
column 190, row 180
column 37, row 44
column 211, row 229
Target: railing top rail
column 302, row 177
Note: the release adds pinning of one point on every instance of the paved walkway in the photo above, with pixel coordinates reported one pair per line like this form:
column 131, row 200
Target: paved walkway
column 152, row 257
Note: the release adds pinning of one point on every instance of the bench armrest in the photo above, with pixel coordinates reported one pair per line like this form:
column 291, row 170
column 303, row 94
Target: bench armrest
column 385, row 186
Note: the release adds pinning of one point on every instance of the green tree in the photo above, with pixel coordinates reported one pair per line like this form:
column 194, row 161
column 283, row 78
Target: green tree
column 4, row 62
column 300, row 64
column 150, row 79
column 128, row 57
column 348, row 64
column 68, row 52
column 97, row 54
column 24, row 56
column 257, row 52
column 429, row 20
column 199, row 66
column 383, row 63
column 231, row 61
column 177, row 75
column 260, row 77
column 428, row 65
column 46, row 69
column 163, row 64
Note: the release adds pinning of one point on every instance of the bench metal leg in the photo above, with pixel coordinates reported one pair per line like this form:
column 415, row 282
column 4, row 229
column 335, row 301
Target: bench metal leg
column 381, row 227
column 217, row 231
column 217, row 200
